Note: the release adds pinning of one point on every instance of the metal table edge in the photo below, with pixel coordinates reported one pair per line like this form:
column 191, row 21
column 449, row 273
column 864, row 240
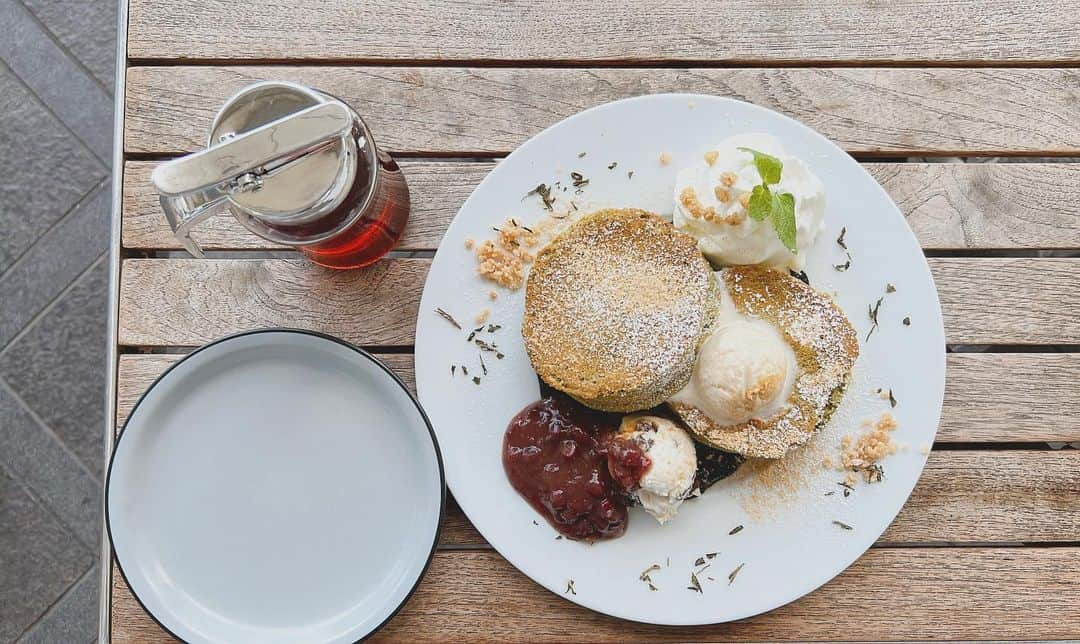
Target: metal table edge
column 111, row 358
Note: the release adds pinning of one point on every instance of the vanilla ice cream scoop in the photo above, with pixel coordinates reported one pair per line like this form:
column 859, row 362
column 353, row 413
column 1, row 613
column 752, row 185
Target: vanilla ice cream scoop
column 744, row 370
column 711, row 200
column 669, row 478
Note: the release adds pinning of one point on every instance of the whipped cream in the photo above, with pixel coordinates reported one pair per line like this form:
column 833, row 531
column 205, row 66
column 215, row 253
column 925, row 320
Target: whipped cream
column 669, row 478
column 710, row 204
column 744, row 370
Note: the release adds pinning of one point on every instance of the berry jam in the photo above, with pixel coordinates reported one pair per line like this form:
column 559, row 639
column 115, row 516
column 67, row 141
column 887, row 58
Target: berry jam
column 561, row 456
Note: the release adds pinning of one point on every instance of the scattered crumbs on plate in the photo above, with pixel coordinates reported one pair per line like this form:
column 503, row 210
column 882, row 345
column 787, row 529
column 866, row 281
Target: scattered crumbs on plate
column 629, row 174
column 842, row 525
column 558, row 537
column 453, row 368
column 535, row 523
column 711, row 156
column 464, row 370
column 581, row 155
column 476, row 380
column 482, row 316
column 492, row 295
column 734, row 573
column 924, row 449
column 889, row 288
column 690, row 105
column 907, row 321
column 469, row 243
column 570, row 587
column 861, row 453
column 665, row 158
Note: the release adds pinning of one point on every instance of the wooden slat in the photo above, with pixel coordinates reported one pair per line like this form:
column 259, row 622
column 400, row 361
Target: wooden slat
column 888, row 594
column 492, row 110
column 948, row 205
column 168, row 302
column 1009, row 300
column 436, row 191
column 739, row 30
column 988, row 396
column 962, row 497
column 187, row 302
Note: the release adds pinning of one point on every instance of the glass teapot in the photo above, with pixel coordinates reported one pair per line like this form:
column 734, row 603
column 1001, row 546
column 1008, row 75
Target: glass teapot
column 295, row 166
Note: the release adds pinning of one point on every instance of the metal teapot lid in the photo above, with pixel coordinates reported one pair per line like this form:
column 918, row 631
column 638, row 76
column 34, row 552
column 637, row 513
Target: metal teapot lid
column 278, row 153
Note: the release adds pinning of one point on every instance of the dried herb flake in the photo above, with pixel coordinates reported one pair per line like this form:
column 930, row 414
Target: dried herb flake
column 842, row 525
column 544, row 192
column 840, row 240
column 612, row 165
column 737, row 529
column 570, row 587
column 695, row 585
column 734, row 573
column 449, row 318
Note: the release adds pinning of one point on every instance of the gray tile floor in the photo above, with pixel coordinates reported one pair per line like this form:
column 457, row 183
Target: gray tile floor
column 56, row 80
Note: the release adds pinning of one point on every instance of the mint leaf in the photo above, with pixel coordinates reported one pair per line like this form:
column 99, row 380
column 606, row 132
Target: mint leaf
column 760, row 204
column 769, row 167
column 783, row 220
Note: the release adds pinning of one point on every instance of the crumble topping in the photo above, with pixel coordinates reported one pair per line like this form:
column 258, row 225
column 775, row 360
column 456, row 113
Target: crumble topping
column 711, row 156
column 861, row 453
column 689, row 200
column 503, row 259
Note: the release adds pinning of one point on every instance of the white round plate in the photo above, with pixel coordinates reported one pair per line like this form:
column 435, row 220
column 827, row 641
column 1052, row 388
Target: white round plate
column 275, row 486
column 798, row 547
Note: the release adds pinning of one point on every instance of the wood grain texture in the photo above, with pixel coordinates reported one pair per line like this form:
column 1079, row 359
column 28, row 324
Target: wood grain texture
column 187, row 302
column 492, row 110
column 947, row 205
column 888, row 594
column 436, row 191
column 1009, row 300
column 988, row 396
column 739, row 30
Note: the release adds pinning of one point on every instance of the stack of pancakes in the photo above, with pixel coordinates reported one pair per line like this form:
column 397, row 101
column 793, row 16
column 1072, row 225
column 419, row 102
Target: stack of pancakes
column 618, row 306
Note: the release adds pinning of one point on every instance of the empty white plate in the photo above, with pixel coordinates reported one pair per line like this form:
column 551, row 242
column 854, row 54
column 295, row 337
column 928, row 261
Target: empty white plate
column 275, row 486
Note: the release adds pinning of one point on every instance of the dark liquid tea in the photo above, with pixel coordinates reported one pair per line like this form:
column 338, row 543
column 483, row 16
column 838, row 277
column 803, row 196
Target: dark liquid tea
column 373, row 233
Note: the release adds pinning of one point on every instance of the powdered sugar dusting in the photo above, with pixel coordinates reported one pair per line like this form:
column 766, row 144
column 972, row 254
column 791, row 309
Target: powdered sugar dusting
column 615, row 308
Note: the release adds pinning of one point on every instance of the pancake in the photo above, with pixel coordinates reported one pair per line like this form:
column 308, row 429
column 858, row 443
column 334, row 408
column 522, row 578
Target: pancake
column 615, row 308
column 823, row 345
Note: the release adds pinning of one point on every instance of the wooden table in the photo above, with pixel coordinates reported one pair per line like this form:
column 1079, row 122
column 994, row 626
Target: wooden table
column 988, row 546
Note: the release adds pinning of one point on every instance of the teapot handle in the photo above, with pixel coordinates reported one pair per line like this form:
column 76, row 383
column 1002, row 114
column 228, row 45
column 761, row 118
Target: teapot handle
column 197, row 186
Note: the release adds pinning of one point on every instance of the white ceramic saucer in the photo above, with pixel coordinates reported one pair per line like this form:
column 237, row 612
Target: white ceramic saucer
column 275, row 486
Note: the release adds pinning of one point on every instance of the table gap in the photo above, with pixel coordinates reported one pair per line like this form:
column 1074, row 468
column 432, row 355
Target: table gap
column 602, row 63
